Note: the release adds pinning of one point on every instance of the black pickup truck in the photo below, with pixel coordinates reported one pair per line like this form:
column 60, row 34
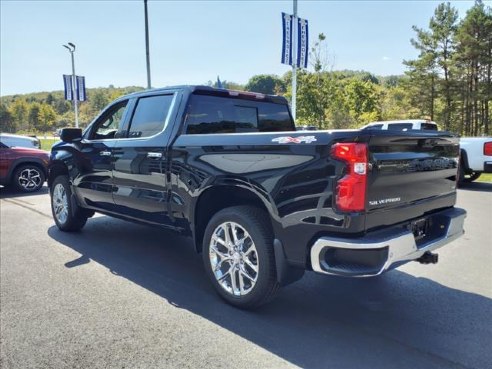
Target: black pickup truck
column 262, row 201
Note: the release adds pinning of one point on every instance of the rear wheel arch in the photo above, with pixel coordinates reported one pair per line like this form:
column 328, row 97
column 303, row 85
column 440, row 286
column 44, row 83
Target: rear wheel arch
column 20, row 162
column 217, row 198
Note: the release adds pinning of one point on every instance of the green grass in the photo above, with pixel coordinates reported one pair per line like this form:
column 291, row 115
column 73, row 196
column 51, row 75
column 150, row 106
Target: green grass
column 46, row 143
column 485, row 177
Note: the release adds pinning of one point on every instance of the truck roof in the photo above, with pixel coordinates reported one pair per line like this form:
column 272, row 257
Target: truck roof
column 212, row 91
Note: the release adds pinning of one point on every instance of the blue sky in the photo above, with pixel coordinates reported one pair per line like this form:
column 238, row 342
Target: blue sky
column 191, row 42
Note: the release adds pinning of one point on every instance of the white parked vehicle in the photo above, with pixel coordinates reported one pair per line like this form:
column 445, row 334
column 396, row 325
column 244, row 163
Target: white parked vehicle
column 11, row 140
column 476, row 157
column 403, row 125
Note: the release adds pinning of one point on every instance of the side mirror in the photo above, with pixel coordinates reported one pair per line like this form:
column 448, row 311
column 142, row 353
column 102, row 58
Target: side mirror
column 71, row 134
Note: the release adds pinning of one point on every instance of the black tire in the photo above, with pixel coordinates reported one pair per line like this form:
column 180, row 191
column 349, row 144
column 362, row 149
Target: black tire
column 28, row 178
column 74, row 217
column 257, row 225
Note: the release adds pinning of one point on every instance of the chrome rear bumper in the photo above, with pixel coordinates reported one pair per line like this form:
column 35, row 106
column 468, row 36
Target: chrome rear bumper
column 380, row 251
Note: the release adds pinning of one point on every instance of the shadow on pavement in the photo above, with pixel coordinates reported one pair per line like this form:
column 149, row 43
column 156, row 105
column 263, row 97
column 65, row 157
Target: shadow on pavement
column 9, row 192
column 397, row 320
column 477, row 186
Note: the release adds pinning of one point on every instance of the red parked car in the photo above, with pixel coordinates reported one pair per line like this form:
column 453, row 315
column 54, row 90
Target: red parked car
column 23, row 168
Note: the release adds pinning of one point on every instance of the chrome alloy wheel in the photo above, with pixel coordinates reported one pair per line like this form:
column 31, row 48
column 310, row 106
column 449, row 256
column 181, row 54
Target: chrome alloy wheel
column 60, row 203
column 234, row 258
column 29, row 179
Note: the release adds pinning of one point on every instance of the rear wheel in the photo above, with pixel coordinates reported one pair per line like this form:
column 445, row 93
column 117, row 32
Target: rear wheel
column 239, row 258
column 28, row 178
column 68, row 216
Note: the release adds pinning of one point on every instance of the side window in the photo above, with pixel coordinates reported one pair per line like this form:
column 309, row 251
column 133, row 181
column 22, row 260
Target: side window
column 150, row 116
column 109, row 123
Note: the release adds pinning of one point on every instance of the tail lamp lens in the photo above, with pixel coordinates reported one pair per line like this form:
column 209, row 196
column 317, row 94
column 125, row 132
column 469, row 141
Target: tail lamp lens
column 487, row 148
column 351, row 189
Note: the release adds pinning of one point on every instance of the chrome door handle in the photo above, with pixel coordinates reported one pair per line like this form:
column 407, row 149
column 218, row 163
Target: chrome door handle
column 105, row 153
column 156, row 155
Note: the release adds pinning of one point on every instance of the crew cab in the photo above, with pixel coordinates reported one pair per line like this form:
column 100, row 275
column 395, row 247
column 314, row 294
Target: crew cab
column 262, row 201
column 476, row 157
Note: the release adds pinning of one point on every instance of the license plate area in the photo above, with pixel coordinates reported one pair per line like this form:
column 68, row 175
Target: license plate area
column 420, row 228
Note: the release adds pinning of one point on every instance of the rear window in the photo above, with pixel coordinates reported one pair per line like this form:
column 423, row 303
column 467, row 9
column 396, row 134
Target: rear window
column 428, row 127
column 215, row 114
column 400, row 126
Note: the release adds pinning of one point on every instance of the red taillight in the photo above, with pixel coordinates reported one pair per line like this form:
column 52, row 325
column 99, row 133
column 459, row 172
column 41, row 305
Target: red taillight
column 351, row 189
column 487, row 148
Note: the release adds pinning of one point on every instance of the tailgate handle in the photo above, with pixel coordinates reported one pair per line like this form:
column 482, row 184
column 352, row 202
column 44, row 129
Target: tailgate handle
column 155, row 155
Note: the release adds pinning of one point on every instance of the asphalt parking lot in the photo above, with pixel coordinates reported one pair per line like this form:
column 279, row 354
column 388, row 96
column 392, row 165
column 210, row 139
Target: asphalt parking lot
column 120, row 295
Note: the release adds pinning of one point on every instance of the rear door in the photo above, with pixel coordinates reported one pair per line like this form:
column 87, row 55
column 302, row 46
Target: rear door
column 140, row 159
column 410, row 175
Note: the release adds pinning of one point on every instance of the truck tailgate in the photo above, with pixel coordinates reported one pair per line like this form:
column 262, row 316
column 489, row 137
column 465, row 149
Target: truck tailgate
column 410, row 174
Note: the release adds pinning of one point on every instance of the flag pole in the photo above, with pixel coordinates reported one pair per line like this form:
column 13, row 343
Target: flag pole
column 147, row 53
column 294, row 62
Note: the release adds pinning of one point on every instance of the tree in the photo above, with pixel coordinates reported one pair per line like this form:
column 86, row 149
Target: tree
column 436, row 48
column 19, row 110
column 7, row 123
column 266, row 84
column 316, row 91
column 33, row 116
column 99, row 100
column 443, row 27
column 362, row 100
column 46, row 118
column 474, row 60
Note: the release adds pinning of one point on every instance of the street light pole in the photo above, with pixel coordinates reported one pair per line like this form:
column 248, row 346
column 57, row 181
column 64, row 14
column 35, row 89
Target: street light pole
column 147, row 53
column 71, row 47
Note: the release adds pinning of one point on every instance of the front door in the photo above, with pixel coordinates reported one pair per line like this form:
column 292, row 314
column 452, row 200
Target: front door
column 94, row 183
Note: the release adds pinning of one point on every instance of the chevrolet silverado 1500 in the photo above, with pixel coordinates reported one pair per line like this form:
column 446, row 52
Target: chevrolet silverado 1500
column 262, row 202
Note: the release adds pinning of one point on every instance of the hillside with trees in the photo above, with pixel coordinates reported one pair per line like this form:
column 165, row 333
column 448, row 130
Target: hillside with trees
column 449, row 82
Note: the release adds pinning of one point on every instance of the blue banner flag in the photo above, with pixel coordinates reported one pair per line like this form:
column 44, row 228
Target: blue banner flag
column 219, row 84
column 67, row 82
column 287, row 39
column 81, row 95
column 79, row 90
column 302, row 43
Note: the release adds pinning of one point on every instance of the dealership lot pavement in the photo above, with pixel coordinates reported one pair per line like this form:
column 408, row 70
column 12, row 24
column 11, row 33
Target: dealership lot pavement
column 122, row 295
